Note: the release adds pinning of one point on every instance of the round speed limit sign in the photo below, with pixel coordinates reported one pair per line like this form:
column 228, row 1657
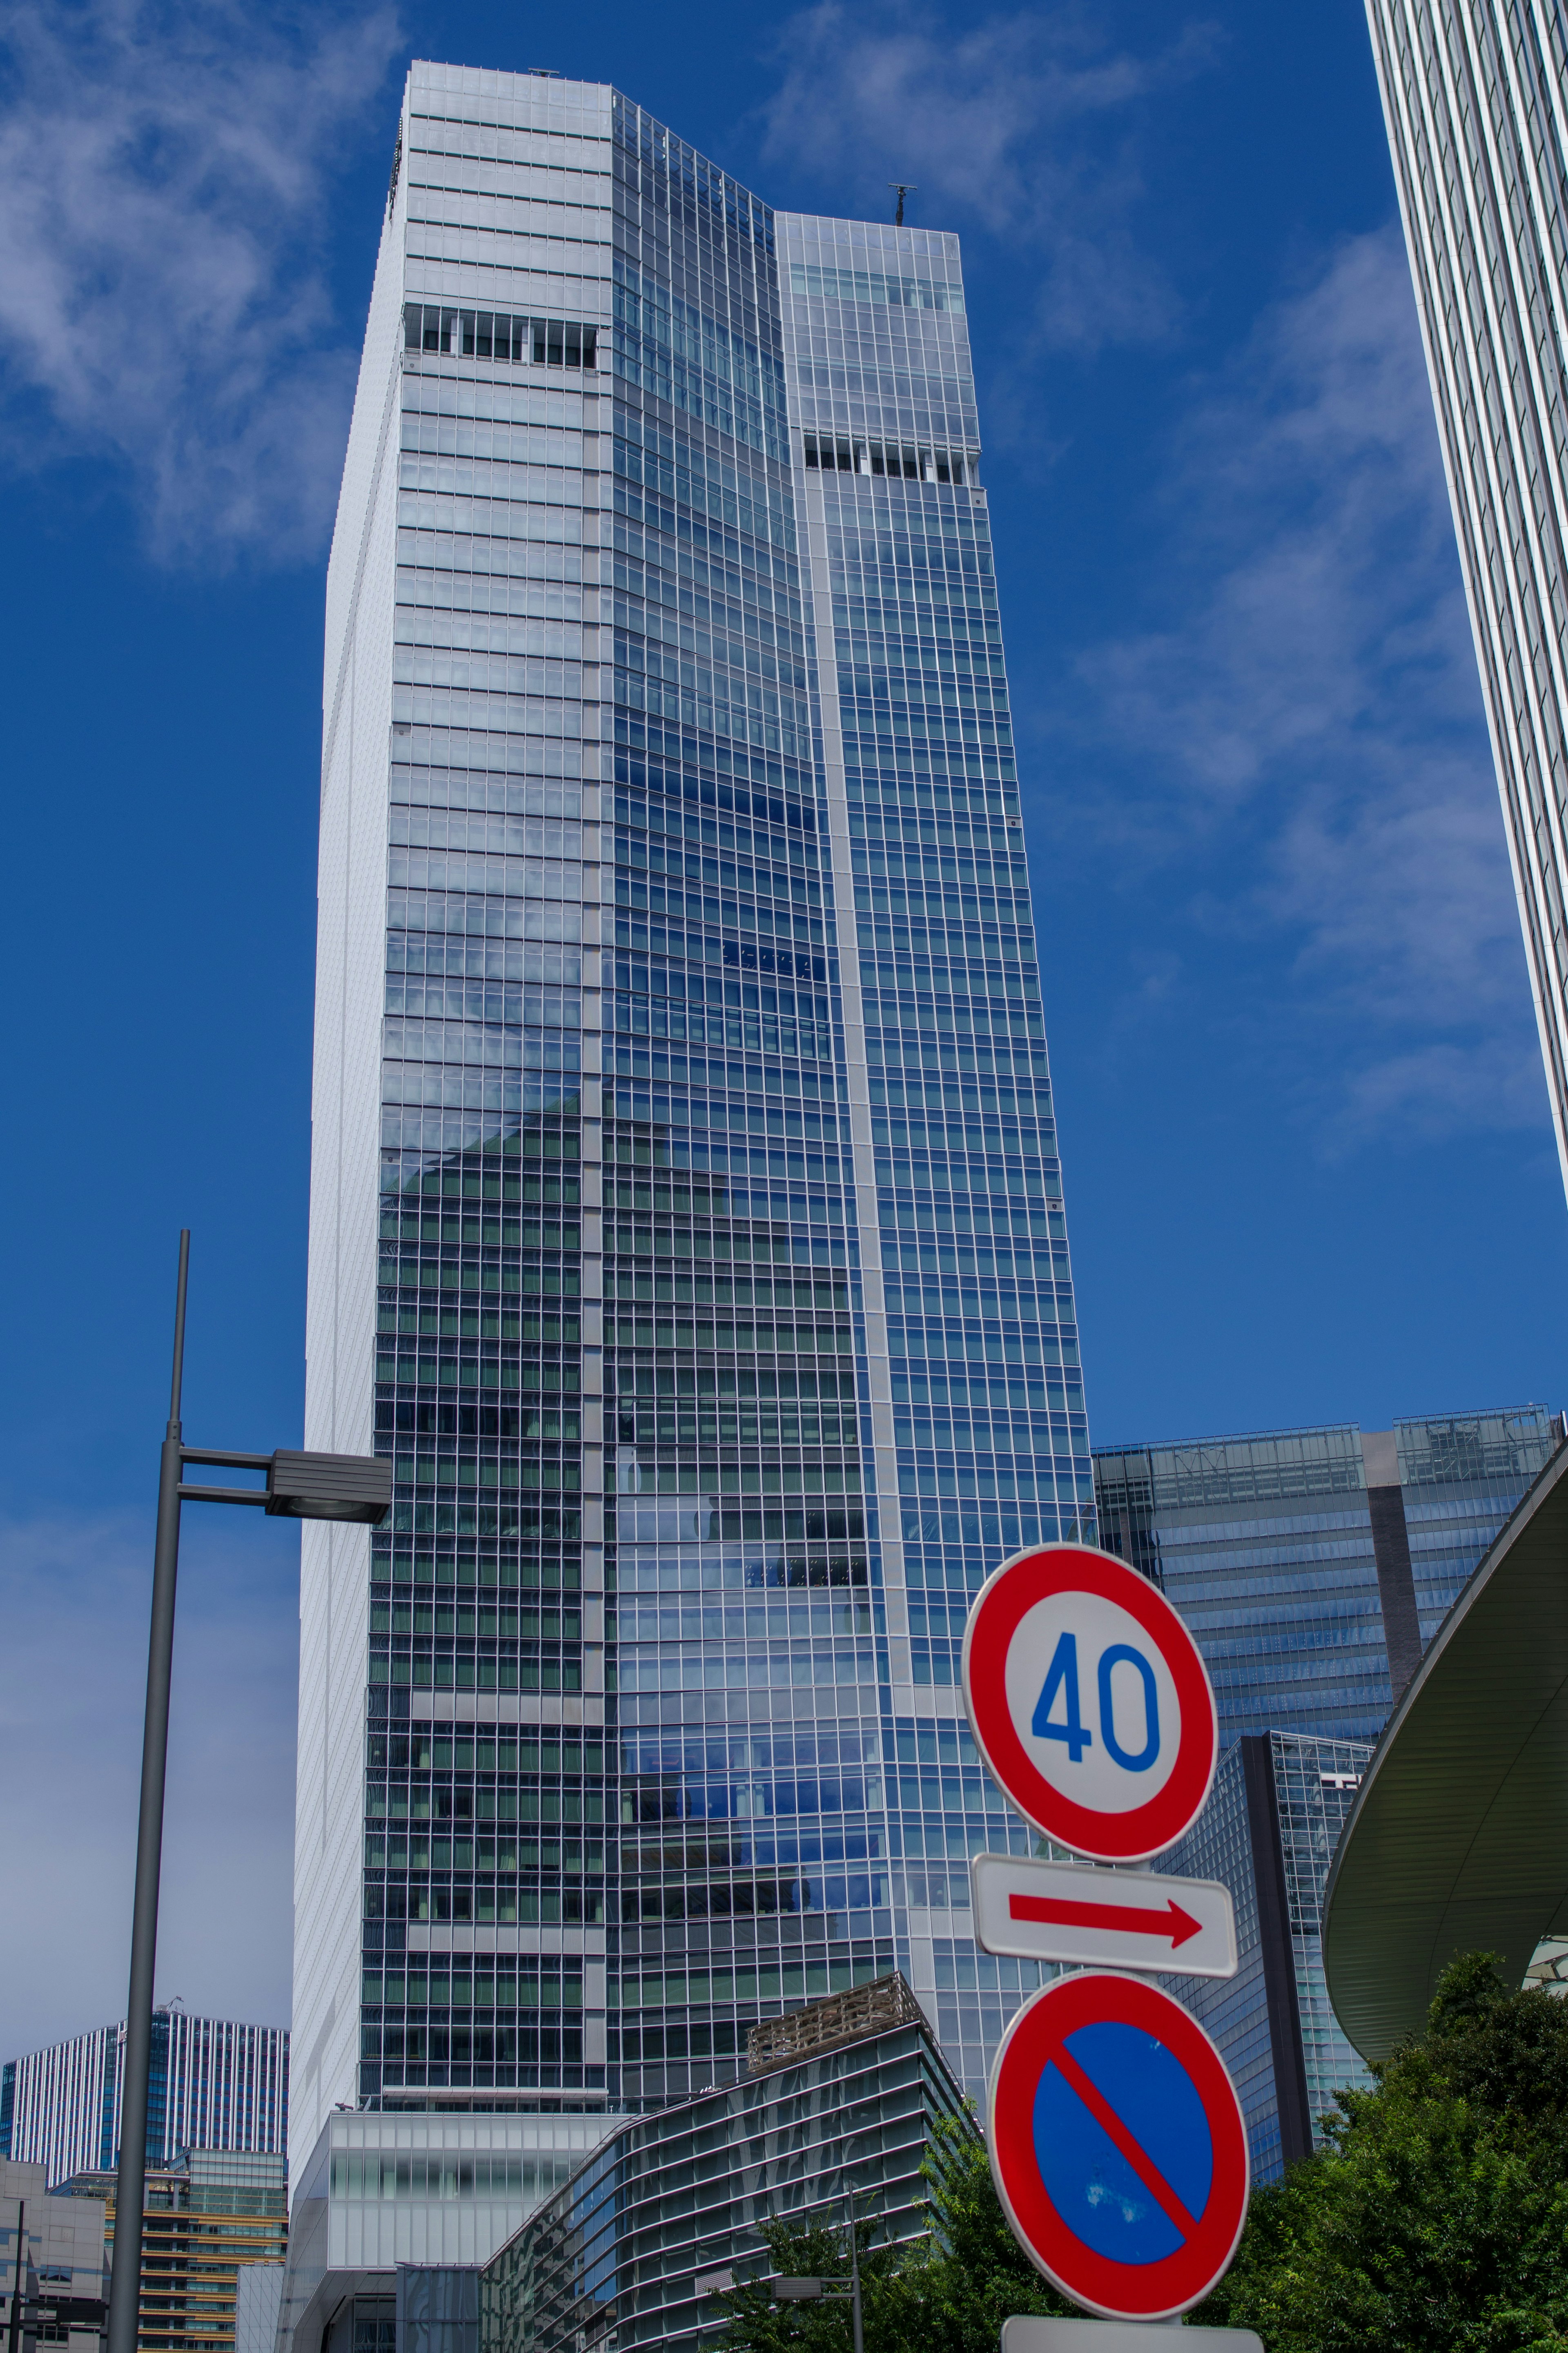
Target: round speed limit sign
column 1089, row 1701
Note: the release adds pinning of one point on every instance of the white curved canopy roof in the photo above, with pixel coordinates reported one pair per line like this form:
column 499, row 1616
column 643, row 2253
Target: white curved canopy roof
column 1459, row 1839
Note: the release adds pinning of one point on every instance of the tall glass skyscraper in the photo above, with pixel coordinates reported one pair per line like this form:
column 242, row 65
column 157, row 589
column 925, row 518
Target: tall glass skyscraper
column 686, row 1214
column 1474, row 96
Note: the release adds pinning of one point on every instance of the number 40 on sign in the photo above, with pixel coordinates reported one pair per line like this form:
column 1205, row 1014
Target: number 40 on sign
column 1091, row 1702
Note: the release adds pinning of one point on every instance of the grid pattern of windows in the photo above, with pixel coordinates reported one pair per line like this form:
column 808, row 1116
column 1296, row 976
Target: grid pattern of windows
column 723, row 1326
column 635, row 2241
column 1472, row 95
column 485, row 1837
column 750, row 1647
column 973, row 1403
column 214, row 2083
column 1315, row 1782
column 1265, row 1545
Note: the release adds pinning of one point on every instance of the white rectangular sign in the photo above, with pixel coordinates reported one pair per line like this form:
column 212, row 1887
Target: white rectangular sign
column 1021, row 2336
column 1083, row 1912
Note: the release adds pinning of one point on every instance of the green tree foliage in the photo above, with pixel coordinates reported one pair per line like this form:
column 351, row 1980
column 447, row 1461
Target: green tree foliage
column 1437, row 2219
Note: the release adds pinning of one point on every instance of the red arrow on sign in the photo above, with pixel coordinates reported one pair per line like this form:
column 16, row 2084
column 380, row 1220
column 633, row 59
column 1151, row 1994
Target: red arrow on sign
column 1171, row 1921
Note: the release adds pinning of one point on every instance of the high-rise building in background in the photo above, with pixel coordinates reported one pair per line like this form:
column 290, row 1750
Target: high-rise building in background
column 850, row 2095
column 1268, row 1831
column 214, row 2084
column 1473, row 96
column 1314, row 1566
column 207, row 2217
column 686, row 1214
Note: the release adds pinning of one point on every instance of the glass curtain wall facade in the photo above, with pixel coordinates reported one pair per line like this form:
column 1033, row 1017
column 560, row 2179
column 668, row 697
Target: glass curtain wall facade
column 1268, row 1831
column 214, row 2083
column 1475, row 97
column 638, row 2246
column 1313, row 1565
column 686, row 1214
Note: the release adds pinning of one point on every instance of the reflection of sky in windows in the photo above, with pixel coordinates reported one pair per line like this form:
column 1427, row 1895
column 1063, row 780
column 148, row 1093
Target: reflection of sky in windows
column 607, row 642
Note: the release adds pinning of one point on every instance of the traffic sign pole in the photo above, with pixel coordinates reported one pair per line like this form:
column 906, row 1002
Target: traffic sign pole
column 1117, row 2142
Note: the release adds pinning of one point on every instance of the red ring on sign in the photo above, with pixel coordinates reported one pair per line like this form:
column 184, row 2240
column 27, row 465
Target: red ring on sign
column 1119, row 2291
column 1000, row 1605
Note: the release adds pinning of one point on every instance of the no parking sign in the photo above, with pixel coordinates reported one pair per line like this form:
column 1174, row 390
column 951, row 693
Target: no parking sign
column 1118, row 2145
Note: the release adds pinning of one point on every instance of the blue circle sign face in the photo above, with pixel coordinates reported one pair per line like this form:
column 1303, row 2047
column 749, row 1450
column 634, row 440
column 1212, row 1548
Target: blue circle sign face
column 1083, row 2169
column 1118, row 2145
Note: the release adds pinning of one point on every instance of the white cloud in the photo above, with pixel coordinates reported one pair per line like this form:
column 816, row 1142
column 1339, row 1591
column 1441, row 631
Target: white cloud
column 164, row 302
column 1019, row 125
column 1306, row 732
column 74, row 1596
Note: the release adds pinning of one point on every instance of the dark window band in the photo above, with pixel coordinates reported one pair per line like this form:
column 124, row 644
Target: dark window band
column 499, row 335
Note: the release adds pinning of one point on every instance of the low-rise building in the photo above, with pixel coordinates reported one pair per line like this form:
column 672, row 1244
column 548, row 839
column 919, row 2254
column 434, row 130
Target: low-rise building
column 843, row 2098
column 54, row 2273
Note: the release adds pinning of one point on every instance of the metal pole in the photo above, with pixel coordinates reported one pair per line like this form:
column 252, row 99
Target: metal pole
column 125, row 2276
column 854, row 2273
column 15, row 2332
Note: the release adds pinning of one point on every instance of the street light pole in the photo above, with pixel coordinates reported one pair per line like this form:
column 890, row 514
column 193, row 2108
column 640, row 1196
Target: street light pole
column 305, row 1486
column 854, row 2273
column 125, row 2277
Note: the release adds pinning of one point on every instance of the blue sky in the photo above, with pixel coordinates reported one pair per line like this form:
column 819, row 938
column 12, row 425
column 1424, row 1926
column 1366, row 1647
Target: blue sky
column 1310, row 1170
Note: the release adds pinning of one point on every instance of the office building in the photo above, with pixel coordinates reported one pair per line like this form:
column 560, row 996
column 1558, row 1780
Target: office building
column 54, row 2274
column 686, row 1214
column 205, row 2218
column 213, row 2083
column 385, row 2188
column 845, row 2096
column 1268, row 1831
column 1313, row 1565
column 1473, row 99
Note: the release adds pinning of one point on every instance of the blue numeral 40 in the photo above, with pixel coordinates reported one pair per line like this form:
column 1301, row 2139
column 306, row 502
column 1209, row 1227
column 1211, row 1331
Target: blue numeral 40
column 1061, row 1680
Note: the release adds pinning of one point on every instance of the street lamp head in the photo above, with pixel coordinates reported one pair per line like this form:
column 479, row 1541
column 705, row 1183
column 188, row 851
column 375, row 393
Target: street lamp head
column 353, row 1487
column 794, row 2291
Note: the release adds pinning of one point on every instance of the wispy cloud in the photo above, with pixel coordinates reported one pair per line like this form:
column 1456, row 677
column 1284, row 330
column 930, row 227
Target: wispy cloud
column 1308, row 748
column 74, row 1594
column 163, row 299
column 1018, row 126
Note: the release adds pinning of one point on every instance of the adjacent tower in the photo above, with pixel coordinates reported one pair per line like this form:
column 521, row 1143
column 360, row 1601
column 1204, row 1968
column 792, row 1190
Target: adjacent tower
column 1475, row 95
column 686, row 1212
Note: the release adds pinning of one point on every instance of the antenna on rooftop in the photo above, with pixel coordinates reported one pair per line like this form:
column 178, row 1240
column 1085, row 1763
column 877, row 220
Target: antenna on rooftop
column 905, row 188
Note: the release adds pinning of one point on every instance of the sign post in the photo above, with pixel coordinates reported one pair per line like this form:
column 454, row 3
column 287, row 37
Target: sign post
column 1117, row 2142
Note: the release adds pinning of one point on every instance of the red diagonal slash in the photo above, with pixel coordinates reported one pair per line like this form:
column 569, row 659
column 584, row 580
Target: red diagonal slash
column 1172, row 1921
column 1110, row 2124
